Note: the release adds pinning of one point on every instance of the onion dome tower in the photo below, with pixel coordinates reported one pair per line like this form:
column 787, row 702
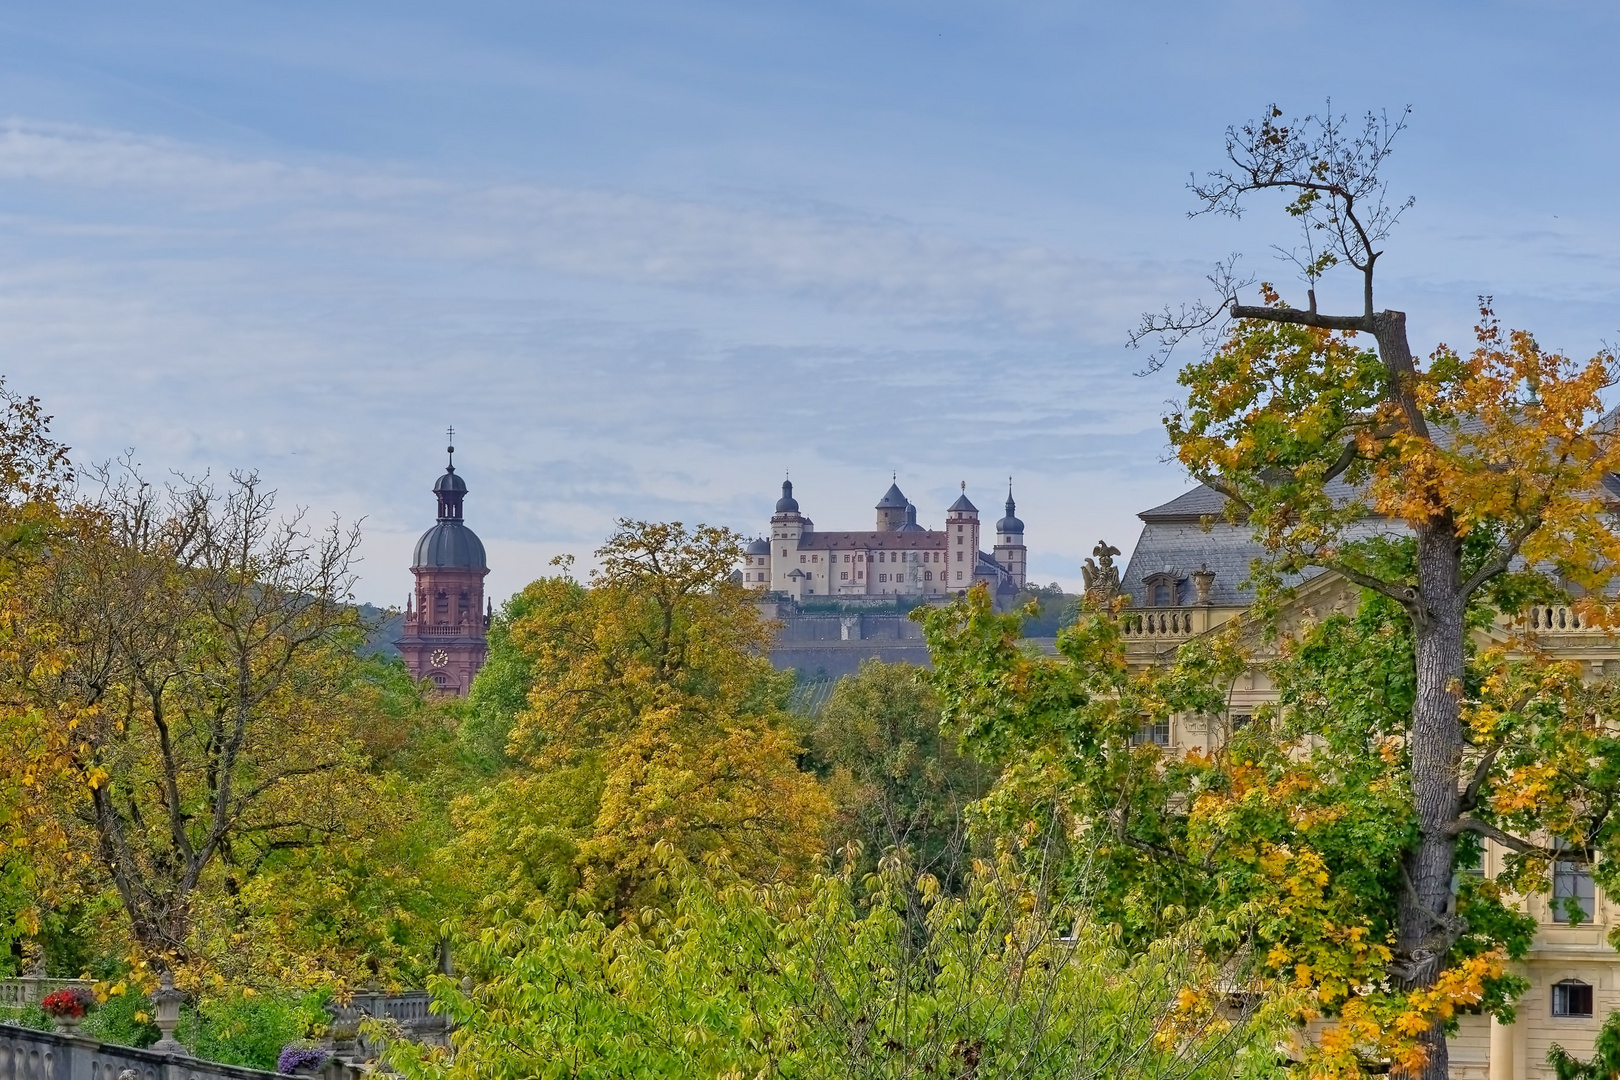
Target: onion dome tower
column 447, row 618
column 1010, row 551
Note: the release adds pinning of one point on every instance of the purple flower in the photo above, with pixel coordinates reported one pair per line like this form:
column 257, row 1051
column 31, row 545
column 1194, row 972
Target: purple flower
column 294, row 1057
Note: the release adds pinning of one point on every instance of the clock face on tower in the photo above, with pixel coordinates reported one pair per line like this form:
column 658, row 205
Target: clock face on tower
column 439, row 658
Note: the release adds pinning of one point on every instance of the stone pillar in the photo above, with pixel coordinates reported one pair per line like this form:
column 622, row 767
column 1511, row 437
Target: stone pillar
column 1507, row 1048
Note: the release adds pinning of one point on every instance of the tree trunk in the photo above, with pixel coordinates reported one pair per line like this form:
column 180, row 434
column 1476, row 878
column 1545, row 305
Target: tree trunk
column 1426, row 920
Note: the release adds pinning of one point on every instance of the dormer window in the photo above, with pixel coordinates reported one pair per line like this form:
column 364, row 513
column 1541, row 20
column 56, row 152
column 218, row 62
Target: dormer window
column 1163, row 589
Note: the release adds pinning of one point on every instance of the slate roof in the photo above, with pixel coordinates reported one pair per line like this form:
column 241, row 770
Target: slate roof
column 449, row 481
column 962, row 504
column 1179, row 547
column 450, row 544
column 1175, row 541
column 921, row 540
column 893, row 499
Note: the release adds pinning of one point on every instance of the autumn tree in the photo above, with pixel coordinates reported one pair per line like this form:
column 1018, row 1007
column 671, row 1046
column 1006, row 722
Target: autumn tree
column 1286, row 838
column 653, row 715
column 1491, row 464
column 36, row 478
column 190, row 681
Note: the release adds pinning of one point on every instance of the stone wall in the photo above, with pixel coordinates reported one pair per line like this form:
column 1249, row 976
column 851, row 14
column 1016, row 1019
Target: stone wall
column 26, row 1054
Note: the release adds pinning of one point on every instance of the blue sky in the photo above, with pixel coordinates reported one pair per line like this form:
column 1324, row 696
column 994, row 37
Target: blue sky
column 648, row 257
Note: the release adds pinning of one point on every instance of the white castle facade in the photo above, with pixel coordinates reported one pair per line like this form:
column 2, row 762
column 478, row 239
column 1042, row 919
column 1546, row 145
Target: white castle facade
column 899, row 558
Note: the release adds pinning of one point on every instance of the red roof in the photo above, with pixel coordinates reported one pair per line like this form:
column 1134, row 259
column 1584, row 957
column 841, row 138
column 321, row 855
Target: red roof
column 923, row 540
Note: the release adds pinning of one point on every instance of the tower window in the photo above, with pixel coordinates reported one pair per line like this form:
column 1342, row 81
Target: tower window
column 1571, row 998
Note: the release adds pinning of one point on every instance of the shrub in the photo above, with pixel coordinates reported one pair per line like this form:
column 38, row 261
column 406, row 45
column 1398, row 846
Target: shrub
column 300, row 1056
column 124, row 1018
column 252, row 1028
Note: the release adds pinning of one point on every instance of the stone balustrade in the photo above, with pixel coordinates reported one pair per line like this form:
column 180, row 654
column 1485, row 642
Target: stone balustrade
column 26, row 1054
column 409, row 1011
column 1554, row 619
column 32, row 989
column 1164, row 624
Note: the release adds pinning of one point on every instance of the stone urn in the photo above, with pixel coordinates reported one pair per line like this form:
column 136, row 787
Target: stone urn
column 67, row 1024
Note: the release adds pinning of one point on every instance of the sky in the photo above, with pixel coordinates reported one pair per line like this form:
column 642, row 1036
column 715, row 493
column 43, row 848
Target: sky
column 650, row 258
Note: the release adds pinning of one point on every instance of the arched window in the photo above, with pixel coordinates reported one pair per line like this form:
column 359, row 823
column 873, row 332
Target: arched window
column 1571, row 998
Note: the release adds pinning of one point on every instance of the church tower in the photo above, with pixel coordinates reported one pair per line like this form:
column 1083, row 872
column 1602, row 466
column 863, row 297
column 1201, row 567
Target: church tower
column 447, row 618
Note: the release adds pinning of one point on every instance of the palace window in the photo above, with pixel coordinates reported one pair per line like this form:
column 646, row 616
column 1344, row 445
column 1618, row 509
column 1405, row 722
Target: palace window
column 959, row 575
column 958, row 559
column 1573, row 898
column 1156, row 733
column 1571, row 998
column 860, row 573
column 928, row 575
column 883, row 577
column 843, row 575
column 804, row 558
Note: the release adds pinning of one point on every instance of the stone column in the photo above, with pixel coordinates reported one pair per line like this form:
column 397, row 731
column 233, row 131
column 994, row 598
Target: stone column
column 1507, row 1044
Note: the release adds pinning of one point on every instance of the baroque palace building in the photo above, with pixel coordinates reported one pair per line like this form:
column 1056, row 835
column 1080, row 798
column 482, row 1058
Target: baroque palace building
column 898, row 559
column 1186, row 577
column 447, row 617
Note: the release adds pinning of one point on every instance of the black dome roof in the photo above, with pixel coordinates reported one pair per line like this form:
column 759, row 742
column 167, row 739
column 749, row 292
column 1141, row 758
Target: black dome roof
column 1010, row 523
column 450, row 545
column 450, row 481
column 787, row 504
column 758, row 546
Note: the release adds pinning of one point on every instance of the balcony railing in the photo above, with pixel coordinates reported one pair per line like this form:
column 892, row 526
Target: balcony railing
column 1554, row 619
column 1166, row 624
column 421, row 630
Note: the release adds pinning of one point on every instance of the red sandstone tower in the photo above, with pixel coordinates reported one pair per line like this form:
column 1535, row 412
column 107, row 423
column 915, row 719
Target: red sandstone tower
column 446, row 620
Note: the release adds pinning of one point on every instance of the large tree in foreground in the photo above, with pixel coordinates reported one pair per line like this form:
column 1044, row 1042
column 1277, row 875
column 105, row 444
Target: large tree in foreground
column 1490, row 462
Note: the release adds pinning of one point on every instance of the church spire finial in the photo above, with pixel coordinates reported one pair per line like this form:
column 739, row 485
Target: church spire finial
column 451, row 449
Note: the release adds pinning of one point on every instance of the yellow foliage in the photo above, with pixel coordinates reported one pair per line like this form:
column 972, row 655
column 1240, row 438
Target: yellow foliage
column 654, row 717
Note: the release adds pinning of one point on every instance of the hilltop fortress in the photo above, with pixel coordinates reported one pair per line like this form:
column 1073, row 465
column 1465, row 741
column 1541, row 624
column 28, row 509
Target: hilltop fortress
column 898, row 559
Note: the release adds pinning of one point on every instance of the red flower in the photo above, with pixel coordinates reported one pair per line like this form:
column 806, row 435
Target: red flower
column 72, row 1001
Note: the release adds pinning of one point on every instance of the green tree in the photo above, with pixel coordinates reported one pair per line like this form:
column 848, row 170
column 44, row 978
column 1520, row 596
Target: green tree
column 1487, row 462
column 740, row 979
column 897, row 781
column 1289, row 833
